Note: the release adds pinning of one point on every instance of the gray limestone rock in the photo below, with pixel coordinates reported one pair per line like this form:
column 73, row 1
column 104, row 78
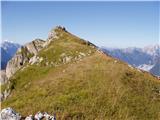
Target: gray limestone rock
column 9, row 114
column 54, row 35
column 23, row 55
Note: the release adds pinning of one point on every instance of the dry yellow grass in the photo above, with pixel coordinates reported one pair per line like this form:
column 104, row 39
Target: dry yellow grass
column 95, row 87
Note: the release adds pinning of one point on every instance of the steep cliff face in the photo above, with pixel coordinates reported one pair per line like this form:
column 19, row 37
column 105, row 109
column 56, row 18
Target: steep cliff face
column 23, row 55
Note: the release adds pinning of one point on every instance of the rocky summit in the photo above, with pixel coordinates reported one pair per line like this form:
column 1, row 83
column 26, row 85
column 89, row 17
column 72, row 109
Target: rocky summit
column 70, row 78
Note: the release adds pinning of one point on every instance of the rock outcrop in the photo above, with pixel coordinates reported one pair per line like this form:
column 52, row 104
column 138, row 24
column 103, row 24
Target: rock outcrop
column 54, row 34
column 3, row 77
column 35, row 59
column 4, row 80
column 35, row 46
column 28, row 52
column 23, row 55
column 5, row 94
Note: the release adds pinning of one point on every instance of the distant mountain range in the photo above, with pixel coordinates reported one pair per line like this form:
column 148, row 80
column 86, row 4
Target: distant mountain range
column 8, row 49
column 147, row 58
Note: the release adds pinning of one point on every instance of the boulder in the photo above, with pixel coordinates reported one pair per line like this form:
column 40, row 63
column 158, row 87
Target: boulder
column 9, row 114
column 1, row 96
column 66, row 59
column 30, row 117
column 5, row 94
column 82, row 54
column 49, row 117
column 38, row 116
column 35, row 59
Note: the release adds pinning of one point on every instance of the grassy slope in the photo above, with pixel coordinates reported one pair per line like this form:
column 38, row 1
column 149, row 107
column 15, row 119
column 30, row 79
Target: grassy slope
column 96, row 87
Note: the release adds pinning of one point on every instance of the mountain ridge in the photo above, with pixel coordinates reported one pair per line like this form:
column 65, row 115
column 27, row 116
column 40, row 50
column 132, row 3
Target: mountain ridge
column 26, row 52
column 75, row 80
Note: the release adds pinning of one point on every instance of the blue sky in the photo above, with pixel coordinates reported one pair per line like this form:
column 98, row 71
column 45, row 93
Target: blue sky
column 110, row 24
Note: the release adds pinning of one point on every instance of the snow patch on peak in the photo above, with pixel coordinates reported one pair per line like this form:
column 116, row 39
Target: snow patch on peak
column 152, row 49
column 8, row 41
column 145, row 67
